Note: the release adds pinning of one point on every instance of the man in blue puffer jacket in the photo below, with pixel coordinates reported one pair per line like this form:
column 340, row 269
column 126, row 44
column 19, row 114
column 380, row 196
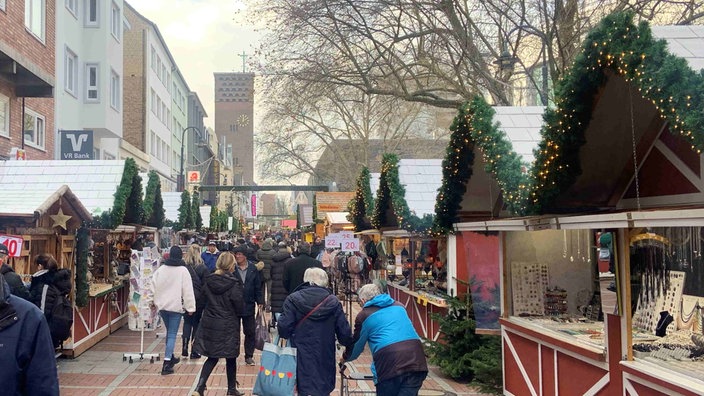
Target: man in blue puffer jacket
column 27, row 363
column 399, row 365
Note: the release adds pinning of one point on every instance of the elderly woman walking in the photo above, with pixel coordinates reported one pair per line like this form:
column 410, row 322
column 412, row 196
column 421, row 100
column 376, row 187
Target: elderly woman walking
column 311, row 319
column 218, row 335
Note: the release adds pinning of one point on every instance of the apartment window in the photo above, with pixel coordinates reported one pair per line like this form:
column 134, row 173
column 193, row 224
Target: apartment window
column 92, row 14
column 108, row 156
column 158, row 148
column 153, row 59
column 72, row 6
column 158, row 68
column 96, row 153
column 70, row 71
column 92, row 82
column 34, row 17
column 168, row 119
column 163, row 112
column 4, row 115
column 153, row 144
column 115, row 21
column 34, row 129
column 153, row 102
column 162, row 77
column 158, row 108
column 2, row 5
column 114, row 90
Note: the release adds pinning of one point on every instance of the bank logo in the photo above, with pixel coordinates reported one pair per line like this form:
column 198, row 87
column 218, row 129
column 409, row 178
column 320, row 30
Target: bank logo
column 76, row 145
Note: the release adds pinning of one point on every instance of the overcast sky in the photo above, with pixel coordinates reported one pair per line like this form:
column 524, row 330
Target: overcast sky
column 204, row 36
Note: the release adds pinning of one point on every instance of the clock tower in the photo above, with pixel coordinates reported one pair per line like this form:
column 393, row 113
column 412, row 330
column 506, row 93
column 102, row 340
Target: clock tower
column 234, row 113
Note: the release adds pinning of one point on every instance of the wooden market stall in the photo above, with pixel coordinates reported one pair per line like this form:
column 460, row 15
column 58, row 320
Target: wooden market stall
column 98, row 258
column 601, row 292
column 36, row 222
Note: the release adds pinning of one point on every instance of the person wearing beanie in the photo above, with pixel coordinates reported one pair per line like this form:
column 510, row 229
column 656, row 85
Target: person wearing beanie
column 210, row 256
column 294, row 269
column 172, row 288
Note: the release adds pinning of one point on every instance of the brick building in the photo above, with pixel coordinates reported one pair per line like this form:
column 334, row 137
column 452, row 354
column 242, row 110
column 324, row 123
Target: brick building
column 27, row 60
column 234, row 110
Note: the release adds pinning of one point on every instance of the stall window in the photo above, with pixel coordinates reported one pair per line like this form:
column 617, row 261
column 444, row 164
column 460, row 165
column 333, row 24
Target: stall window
column 554, row 281
column 667, row 297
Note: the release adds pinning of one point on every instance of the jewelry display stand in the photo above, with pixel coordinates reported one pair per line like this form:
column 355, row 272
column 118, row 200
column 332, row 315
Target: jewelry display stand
column 647, row 315
column 529, row 281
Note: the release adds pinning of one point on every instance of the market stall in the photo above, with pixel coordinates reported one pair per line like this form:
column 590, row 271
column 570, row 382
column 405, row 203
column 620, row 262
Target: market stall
column 601, row 293
column 36, row 222
column 98, row 257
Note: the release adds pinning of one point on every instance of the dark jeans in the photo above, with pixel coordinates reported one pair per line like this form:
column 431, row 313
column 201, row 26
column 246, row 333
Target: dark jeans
column 248, row 327
column 190, row 325
column 407, row 384
column 230, row 370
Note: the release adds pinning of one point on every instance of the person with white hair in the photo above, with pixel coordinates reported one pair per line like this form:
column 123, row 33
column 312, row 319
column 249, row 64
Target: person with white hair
column 312, row 318
column 399, row 365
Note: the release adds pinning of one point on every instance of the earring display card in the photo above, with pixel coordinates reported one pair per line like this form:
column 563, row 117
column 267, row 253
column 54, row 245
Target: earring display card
column 647, row 315
column 529, row 281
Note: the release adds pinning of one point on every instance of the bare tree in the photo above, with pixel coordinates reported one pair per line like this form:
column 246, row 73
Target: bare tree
column 303, row 120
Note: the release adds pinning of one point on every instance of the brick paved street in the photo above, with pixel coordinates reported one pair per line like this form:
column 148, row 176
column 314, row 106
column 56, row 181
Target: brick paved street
column 101, row 371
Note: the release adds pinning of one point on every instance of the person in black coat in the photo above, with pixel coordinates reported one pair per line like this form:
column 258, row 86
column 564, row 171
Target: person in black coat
column 265, row 255
column 278, row 292
column 250, row 277
column 218, row 335
column 312, row 317
column 294, row 269
column 48, row 273
column 198, row 271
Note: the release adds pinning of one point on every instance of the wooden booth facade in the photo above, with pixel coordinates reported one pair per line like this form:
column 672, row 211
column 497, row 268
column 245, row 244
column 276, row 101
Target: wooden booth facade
column 602, row 294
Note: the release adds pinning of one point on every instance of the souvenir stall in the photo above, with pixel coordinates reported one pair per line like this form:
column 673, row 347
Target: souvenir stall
column 42, row 221
column 600, row 293
column 97, row 255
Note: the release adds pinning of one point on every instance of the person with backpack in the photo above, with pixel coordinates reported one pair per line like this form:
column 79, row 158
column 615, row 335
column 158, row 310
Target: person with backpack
column 173, row 293
column 218, row 335
column 49, row 291
column 196, row 267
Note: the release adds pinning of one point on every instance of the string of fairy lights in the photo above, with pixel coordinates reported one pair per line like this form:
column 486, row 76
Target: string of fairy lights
column 361, row 207
column 617, row 44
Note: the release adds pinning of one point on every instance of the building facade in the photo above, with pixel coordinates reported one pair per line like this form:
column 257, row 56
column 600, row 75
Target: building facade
column 27, row 79
column 89, row 75
column 234, row 124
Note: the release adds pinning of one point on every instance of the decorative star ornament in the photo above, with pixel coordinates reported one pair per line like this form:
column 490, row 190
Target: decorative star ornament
column 60, row 219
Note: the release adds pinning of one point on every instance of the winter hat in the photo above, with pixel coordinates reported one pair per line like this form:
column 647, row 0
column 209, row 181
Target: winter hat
column 282, row 244
column 4, row 249
column 175, row 253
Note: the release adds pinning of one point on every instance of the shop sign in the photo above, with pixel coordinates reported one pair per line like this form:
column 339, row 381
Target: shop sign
column 13, row 243
column 193, row 176
column 76, row 145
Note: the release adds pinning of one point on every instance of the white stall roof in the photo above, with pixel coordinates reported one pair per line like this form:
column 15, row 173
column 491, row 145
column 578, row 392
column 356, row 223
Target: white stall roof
column 421, row 178
column 93, row 182
column 684, row 41
column 29, row 203
column 337, row 217
column 522, row 127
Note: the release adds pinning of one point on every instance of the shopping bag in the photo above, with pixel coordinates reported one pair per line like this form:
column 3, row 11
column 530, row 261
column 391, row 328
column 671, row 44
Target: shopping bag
column 277, row 373
column 261, row 333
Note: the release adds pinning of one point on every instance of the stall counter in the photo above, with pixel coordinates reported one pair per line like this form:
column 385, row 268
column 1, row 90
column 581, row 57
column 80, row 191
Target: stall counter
column 420, row 306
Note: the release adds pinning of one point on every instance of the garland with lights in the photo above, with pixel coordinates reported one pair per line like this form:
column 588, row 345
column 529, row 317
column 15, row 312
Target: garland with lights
column 82, row 247
column 361, row 207
column 392, row 193
column 631, row 52
column 474, row 126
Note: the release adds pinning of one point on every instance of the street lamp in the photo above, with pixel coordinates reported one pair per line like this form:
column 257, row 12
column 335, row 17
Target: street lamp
column 506, row 61
column 181, row 183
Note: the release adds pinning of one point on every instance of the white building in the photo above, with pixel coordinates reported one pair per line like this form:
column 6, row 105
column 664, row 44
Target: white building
column 89, row 73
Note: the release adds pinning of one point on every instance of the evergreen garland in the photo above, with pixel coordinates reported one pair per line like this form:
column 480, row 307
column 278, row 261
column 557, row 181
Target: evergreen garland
column 456, row 171
column 361, row 207
column 134, row 211
column 124, row 190
column 315, row 207
column 391, row 192
column 82, row 286
column 631, row 52
column 158, row 216
column 195, row 210
column 214, row 218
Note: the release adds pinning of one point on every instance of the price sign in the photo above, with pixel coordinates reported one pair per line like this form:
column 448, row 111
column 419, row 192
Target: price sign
column 346, row 234
column 13, row 243
column 332, row 241
column 350, row 245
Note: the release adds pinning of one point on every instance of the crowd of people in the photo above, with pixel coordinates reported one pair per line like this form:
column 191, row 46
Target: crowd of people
column 217, row 289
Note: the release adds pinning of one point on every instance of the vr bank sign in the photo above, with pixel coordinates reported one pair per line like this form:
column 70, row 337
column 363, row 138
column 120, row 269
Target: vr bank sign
column 76, row 145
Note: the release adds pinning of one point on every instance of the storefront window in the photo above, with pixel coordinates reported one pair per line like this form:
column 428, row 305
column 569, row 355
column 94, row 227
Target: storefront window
column 667, row 296
column 553, row 281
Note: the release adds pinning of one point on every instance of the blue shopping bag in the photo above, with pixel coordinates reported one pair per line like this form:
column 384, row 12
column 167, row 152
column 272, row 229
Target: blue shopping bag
column 277, row 372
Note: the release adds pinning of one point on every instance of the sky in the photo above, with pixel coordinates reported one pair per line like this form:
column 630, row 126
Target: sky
column 204, row 37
